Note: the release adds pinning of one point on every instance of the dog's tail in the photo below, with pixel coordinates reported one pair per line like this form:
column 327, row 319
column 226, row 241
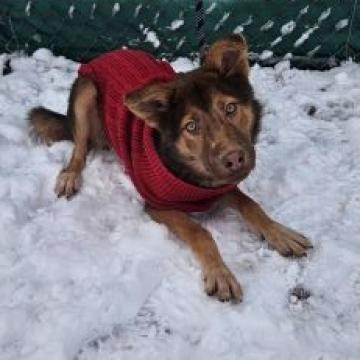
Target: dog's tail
column 48, row 126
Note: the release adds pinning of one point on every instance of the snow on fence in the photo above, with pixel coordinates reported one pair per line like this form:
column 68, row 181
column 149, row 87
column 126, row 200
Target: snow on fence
column 316, row 33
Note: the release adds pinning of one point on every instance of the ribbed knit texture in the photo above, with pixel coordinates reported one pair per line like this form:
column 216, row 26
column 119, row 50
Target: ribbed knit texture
column 116, row 73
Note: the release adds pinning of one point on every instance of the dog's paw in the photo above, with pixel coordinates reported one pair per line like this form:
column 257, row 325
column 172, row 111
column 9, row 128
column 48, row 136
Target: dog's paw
column 286, row 241
column 220, row 282
column 67, row 183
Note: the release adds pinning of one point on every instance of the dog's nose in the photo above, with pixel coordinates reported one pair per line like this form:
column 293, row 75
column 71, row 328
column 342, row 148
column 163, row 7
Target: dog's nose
column 234, row 160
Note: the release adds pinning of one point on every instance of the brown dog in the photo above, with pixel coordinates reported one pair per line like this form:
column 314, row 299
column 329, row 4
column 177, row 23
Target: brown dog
column 205, row 126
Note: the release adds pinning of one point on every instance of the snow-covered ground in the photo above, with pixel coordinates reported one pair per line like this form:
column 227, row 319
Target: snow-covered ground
column 97, row 274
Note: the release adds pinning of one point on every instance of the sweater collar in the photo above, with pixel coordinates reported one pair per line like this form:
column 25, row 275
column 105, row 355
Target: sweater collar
column 174, row 188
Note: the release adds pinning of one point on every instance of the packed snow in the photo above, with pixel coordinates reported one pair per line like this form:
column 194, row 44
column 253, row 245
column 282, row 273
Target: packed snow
column 95, row 278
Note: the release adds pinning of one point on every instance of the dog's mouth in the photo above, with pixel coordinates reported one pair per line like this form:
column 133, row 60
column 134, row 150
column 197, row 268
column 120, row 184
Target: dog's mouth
column 236, row 178
column 228, row 179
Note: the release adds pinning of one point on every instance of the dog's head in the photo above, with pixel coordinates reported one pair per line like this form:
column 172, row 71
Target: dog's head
column 207, row 120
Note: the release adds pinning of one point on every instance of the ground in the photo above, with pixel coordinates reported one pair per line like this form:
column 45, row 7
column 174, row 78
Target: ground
column 95, row 278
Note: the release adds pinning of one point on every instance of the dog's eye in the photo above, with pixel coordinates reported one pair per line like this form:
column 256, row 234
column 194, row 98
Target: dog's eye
column 230, row 108
column 191, row 126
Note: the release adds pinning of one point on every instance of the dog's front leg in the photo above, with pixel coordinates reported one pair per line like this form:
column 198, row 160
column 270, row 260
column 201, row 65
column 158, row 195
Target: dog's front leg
column 82, row 115
column 218, row 280
column 286, row 241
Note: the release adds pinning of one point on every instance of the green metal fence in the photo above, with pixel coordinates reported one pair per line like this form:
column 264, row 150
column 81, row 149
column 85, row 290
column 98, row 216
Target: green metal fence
column 314, row 32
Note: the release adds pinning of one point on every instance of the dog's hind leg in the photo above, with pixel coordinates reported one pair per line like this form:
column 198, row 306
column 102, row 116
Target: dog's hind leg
column 84, row 120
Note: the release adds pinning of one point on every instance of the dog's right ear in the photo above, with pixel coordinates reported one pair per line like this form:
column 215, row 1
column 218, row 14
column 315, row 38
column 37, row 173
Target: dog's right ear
column 228, row 56
column 150, row 102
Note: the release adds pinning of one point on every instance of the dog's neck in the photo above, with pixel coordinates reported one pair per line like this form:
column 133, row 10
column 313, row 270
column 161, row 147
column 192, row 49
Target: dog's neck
column 170, row 159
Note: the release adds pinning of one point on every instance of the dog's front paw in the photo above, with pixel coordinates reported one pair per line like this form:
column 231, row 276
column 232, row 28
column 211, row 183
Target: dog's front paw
column 220, row 282
column 286, row 241
column 67, row 183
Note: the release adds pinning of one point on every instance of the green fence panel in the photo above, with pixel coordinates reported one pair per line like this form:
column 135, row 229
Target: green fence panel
column 311, row 31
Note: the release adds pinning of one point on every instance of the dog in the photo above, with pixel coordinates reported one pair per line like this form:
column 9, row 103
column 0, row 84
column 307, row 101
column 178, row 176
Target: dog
column 186, row 140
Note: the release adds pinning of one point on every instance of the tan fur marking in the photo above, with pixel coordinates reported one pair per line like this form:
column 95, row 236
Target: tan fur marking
column 243, row 119
column 190, row 145
column 218, row 279
column 286, row 241
column 215, row 56
column 246, row 120
column 216, row 136
column 85, row 118
column 146, row 102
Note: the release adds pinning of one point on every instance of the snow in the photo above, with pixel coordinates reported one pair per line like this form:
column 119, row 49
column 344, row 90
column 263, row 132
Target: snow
column 116, row 9
column 92, row 12
column 137, row 10
column 324, row 15
column 238, row 30
column 275, row 42
column 151, row 37
column 304, row 10
column 341, row 24
column 313, row 51
column 267, row 26
column 221, row 22
column 95, row 278
column 266, row 54
column 176, row 24
column 288, row 28
column 28, row 8
column 211, row 8
column 71, row 11
column 3, row 59
column 305, row 35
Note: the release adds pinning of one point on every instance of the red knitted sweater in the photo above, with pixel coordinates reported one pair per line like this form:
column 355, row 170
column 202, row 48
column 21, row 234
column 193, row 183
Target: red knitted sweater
column 116, row 73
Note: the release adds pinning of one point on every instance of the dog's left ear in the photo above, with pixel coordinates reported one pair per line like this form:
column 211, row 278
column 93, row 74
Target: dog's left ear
column 228, row 56
column 150, row 102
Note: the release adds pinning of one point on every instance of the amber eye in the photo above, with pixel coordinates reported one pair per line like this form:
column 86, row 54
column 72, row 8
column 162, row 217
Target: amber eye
column 191, row 126
column 230, row 108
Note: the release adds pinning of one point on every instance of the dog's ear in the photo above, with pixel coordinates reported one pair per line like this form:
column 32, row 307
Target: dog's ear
column 228, row 56
column 150, row 102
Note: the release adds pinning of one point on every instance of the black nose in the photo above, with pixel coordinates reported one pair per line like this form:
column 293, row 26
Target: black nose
column 234, row 160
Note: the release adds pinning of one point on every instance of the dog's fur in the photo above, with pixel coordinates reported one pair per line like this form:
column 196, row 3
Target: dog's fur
column 200, row 118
